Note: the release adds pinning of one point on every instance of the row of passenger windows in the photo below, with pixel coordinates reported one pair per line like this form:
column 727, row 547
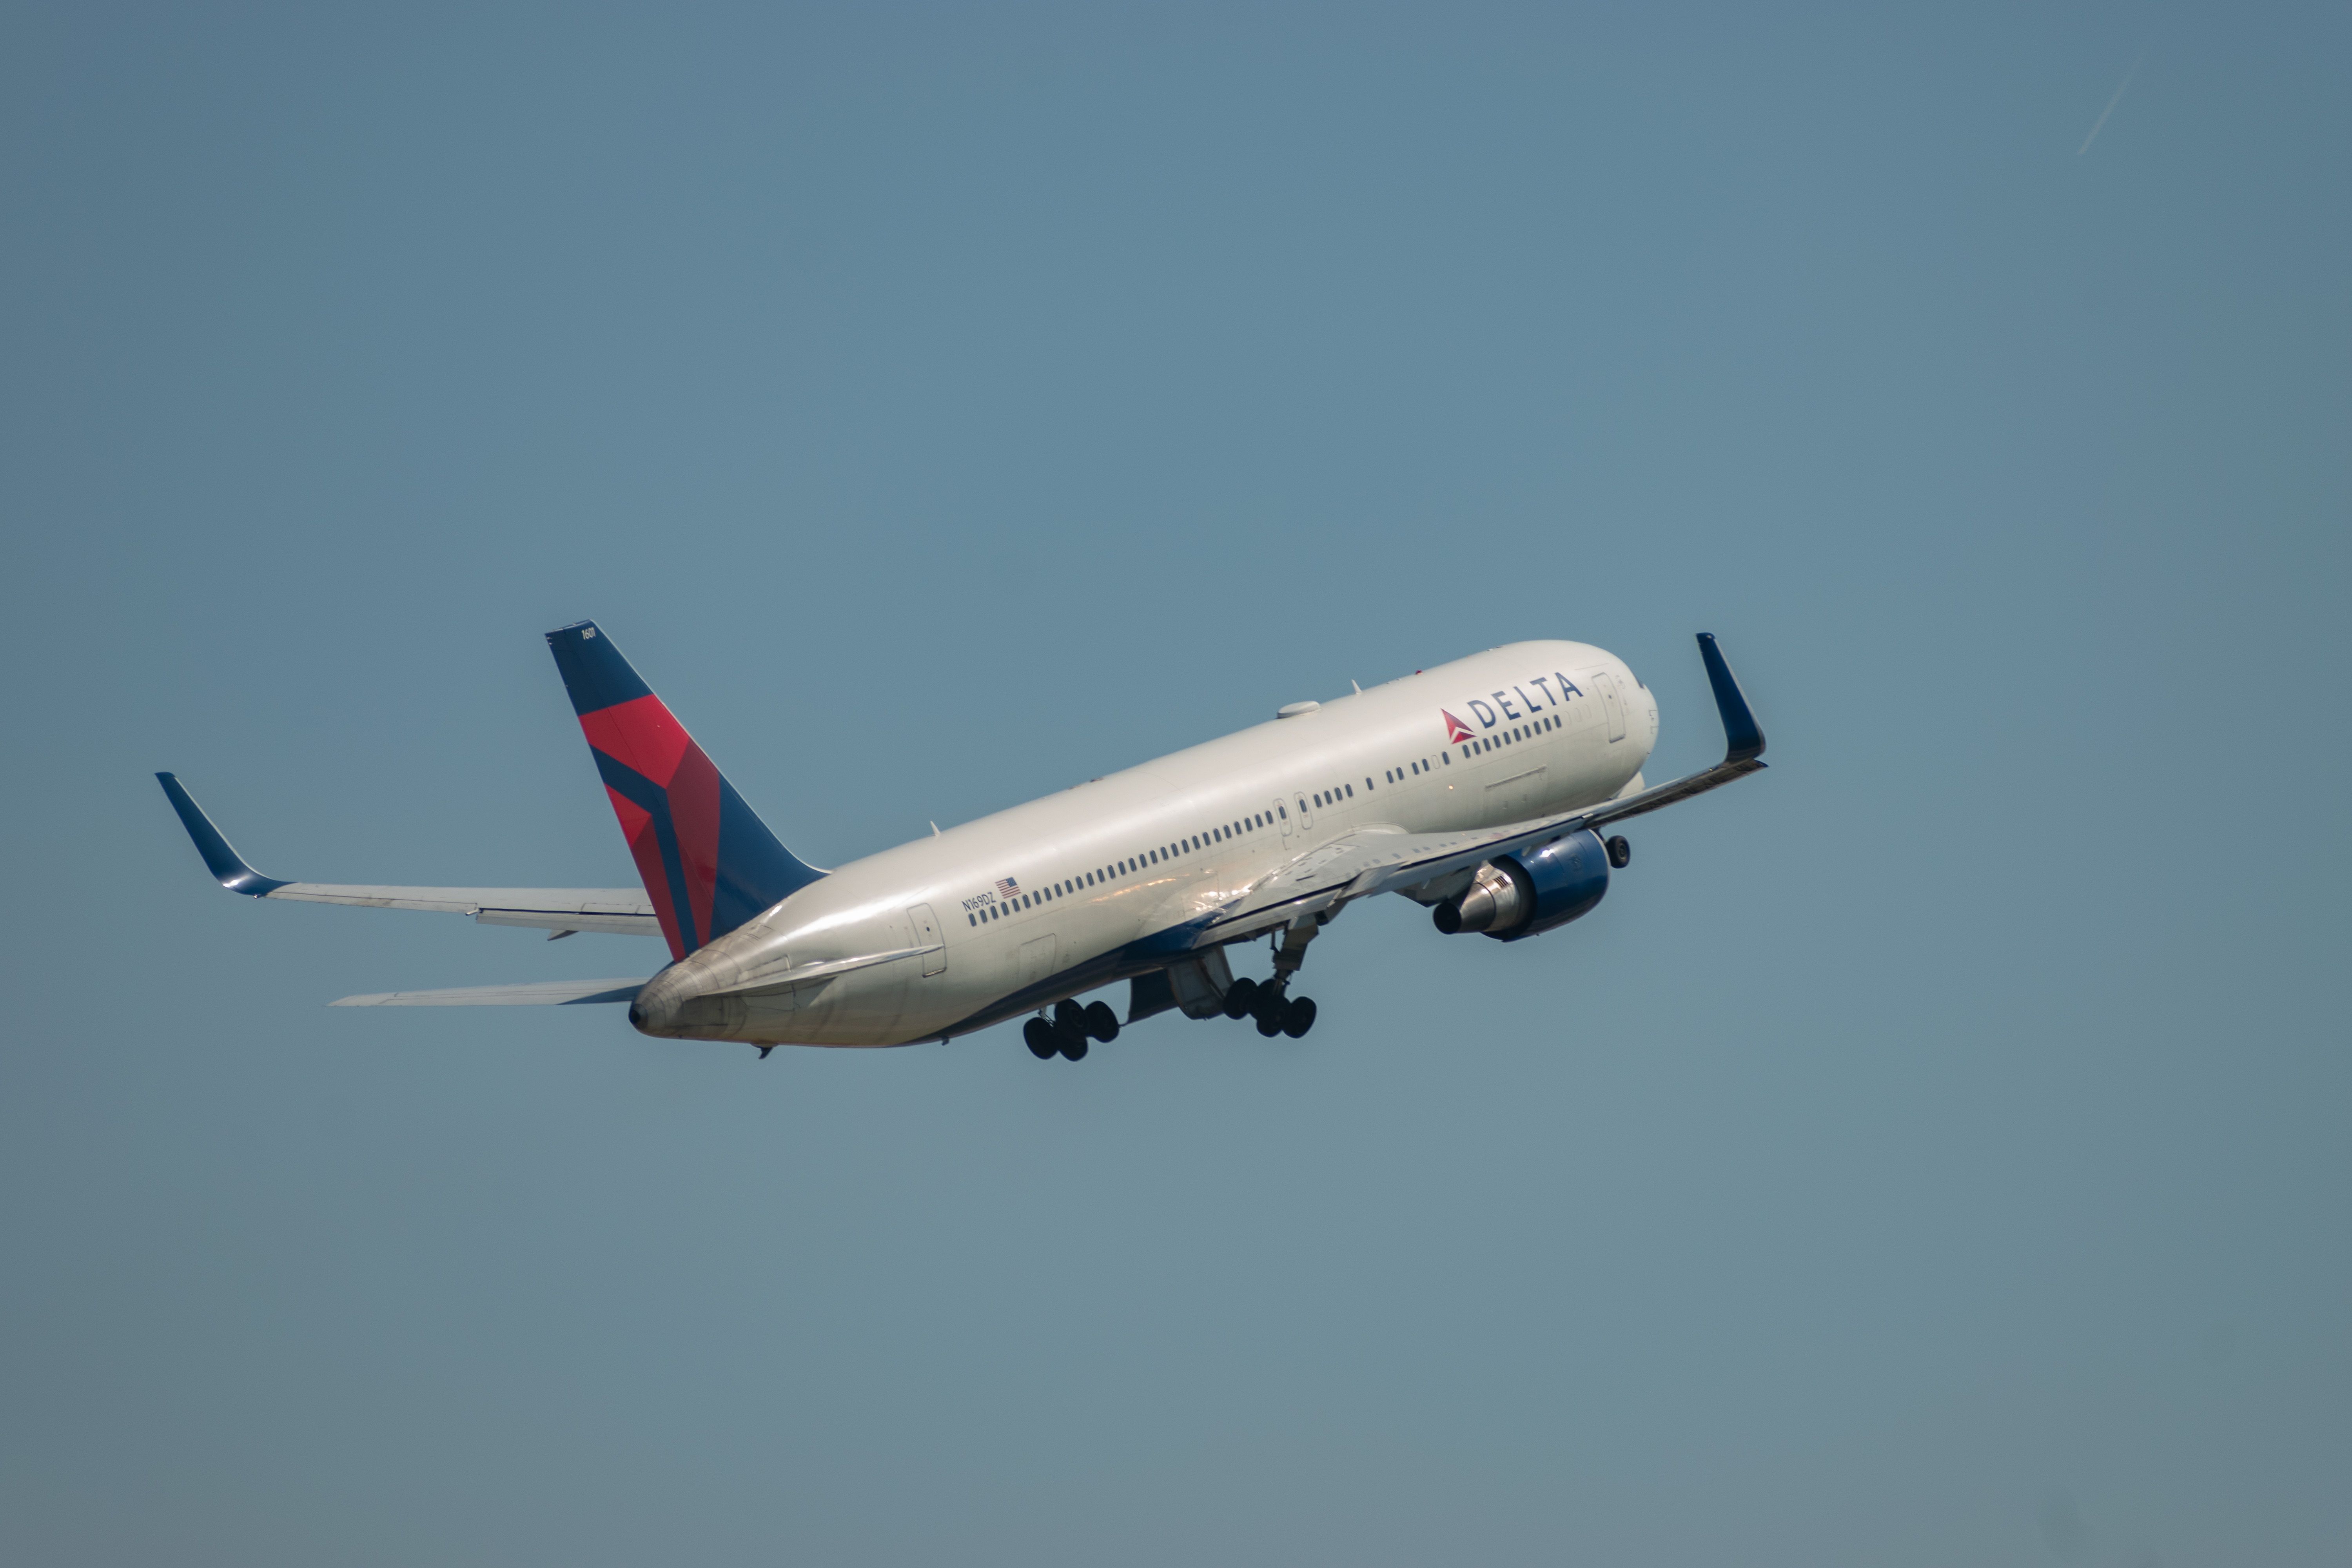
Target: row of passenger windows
column 1511, row 737
column 1101, row 876
column 1250, row 824
column 1418, row 765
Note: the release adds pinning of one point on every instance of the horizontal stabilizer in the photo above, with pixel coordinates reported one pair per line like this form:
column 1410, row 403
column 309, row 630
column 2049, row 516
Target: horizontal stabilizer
column 534, row 994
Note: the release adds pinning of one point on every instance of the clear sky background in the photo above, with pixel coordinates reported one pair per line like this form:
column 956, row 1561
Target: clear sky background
column 1934, row 1150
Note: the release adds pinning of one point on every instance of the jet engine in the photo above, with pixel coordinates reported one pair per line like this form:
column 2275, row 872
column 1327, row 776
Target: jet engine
column 1520, row 895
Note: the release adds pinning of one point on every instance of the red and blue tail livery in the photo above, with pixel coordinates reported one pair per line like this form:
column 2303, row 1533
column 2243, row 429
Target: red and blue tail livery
column 710, row 864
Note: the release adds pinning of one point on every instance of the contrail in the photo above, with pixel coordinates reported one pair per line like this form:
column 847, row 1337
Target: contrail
column 2110, row 109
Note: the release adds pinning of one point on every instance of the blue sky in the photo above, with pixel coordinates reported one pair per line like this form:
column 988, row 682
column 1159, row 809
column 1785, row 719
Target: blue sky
column 1932, row 1153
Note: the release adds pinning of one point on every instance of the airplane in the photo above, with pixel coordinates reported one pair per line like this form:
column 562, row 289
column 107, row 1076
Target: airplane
column 1478, row 789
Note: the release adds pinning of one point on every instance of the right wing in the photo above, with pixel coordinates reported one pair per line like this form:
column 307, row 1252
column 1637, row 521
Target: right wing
column 625, row 911
column 1371, row 861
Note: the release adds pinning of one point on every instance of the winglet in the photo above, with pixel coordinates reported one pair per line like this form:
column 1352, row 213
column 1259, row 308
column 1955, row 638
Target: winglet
column 1743, row 738
column 221, row 860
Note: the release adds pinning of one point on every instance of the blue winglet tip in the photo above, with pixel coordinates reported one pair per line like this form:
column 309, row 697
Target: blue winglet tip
column 1743, row 738
column 223, row 862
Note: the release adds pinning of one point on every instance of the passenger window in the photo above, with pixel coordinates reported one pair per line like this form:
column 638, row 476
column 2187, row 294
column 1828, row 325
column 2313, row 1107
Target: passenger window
column 1351, row 789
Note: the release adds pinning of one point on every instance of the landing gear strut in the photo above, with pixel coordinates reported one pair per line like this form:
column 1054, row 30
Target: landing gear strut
column 1269, row 1002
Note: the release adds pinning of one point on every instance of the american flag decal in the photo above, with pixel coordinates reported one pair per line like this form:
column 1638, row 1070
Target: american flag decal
column 1006, row 888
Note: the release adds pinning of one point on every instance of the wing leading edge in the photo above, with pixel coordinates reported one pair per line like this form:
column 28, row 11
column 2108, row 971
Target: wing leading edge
column 625, row 911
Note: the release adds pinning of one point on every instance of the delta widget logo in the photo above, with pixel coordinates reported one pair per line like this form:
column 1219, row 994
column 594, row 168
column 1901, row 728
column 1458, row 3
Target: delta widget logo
column 1457, row 731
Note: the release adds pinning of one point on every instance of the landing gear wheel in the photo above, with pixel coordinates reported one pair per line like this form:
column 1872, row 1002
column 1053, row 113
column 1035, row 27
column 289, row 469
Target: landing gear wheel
column 1041, row 1041
column 1239, row 997
column 1069, row 1017
column 1269, row 1023
column 1073, row 1046
column 1620, row 854
column 1299, row 1017
column 1101, row 1022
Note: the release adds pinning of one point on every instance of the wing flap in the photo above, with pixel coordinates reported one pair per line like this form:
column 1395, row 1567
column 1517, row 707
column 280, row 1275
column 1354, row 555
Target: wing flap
column 618, row 910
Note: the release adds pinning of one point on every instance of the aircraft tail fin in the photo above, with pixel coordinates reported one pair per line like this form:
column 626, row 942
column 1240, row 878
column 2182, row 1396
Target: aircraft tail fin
column 709, row 863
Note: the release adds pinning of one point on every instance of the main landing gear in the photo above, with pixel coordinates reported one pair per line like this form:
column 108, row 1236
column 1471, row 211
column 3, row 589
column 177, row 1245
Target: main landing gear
column 1275, row 1013
column 1270, row 1001
column 1065, row 1034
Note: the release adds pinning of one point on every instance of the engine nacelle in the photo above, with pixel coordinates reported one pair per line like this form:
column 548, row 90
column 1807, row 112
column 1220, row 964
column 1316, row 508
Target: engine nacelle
column 1520, row 895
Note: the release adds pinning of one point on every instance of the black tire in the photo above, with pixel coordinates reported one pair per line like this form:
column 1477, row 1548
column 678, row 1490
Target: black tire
column 1299, row 1017
column 1042, row 1040
column 1073, row 1046
column 1238, row 996
column 1269, row 1024
column 1101, row 1022
column 1069, row 1017
column 1620, row 854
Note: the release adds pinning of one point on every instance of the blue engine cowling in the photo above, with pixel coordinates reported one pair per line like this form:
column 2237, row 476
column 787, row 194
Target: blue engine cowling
column 1521, row 895
column 1569, row 875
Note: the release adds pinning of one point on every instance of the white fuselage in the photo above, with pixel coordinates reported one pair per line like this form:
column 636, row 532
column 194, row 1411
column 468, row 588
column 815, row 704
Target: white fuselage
column 1052, row 898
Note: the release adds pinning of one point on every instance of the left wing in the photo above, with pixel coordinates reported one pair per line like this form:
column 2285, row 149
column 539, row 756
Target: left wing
column 1374, row 861
column 625, row 911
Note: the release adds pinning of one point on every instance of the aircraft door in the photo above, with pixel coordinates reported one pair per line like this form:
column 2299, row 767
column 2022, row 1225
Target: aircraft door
column 927, row 934
column 1282, row 816
column 1612, row 706
column 1305, row 814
